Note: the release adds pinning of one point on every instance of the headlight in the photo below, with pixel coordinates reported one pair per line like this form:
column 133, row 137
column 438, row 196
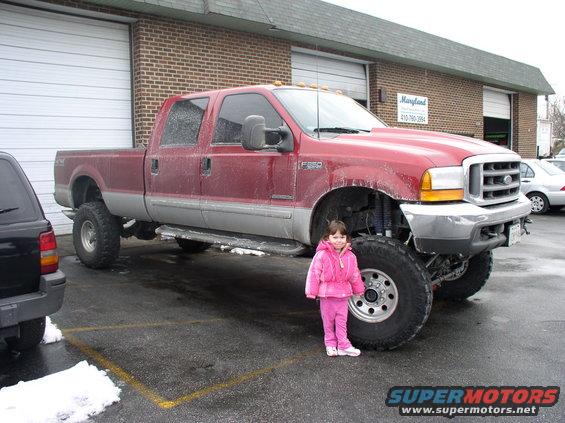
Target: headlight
column 442, row 184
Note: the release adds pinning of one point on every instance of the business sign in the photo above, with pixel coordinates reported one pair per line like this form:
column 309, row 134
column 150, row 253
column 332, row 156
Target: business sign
column 412, row 109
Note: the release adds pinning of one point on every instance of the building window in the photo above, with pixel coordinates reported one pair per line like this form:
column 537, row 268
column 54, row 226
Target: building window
column 235, row 108
column 183, row 122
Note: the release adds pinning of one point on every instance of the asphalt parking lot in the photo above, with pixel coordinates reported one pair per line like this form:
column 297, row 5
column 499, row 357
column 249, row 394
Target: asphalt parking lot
column 220, row 337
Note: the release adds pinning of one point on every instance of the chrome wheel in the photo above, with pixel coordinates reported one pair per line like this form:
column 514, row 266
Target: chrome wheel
column 380, row 299
column 538, row 203
column 88, row 236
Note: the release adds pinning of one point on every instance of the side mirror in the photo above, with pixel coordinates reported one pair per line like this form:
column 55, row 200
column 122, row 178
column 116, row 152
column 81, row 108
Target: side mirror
column 253, row 133
column 254, row 136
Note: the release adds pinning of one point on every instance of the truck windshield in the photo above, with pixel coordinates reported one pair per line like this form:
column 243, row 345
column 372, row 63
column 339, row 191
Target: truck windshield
column 338, row 114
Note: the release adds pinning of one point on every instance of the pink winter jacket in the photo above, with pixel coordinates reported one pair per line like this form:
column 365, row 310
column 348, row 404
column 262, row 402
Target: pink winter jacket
column 326, row 278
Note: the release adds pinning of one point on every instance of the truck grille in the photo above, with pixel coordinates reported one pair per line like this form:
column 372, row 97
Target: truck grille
column 493, row 182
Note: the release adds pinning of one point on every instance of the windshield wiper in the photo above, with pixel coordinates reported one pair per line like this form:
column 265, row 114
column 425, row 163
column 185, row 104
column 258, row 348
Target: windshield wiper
column 341, row 130
column 8, row 210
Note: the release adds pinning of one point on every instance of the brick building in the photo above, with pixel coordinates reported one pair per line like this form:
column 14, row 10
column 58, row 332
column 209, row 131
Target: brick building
column 92, row 74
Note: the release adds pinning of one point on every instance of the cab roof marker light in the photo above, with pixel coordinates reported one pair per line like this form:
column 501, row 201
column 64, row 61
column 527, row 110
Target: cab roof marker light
column 301, row 85
column 277, row 83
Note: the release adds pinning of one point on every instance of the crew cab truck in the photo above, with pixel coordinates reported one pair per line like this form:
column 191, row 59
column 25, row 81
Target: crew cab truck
column 267, row 167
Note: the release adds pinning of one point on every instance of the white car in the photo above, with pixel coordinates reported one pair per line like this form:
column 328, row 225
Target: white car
column 543, row 183
column 558, row 161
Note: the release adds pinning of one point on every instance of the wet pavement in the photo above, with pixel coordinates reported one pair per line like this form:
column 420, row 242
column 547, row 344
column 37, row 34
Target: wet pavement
column 219, row 337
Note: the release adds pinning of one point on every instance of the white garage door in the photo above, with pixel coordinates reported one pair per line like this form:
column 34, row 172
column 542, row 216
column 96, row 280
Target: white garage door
column 337, row 74
column 64, row 84
column 496, row 104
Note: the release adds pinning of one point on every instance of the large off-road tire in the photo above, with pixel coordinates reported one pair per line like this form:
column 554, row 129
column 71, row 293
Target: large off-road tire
column 471, row 281
column 190, row 246
column 31, row 334
column 539, row 201
column 398, row 294
column 96, row 235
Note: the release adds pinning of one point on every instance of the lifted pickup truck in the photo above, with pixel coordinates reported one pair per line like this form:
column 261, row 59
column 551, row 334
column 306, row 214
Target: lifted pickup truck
column 266, row 167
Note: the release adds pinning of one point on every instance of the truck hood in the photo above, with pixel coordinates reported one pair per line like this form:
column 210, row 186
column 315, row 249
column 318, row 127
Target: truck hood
column 440, row 148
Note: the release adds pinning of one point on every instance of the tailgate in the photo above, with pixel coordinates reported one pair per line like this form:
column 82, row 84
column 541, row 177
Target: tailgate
column 20, row 258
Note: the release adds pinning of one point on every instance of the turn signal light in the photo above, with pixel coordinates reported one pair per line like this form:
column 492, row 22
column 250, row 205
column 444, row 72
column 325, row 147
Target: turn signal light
column 442, row 195
column 48, row 252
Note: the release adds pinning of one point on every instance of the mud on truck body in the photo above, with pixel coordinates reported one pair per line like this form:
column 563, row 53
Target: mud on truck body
column 267, row 167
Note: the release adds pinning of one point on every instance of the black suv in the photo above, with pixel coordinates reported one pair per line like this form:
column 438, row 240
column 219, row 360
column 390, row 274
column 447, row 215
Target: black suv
column 31, row 284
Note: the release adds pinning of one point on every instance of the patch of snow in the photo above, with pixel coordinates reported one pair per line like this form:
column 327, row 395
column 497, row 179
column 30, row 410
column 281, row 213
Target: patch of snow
column 245, row 251
column 70, row 396
column 52, row 332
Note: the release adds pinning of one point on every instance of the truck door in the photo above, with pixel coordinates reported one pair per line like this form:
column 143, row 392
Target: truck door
column 247, row 191
column 172, row 164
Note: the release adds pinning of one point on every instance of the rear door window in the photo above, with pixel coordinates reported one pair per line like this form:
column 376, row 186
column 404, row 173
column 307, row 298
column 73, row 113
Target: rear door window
column 526, row 171
column 17, row 203
column 183, row 122
column 235, row 108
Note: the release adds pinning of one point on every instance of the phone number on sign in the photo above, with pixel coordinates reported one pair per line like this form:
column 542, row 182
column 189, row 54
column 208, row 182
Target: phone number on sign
column 412, row 118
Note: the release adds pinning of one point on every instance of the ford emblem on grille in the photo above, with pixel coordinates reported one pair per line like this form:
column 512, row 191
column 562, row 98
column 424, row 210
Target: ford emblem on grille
column 507, row 180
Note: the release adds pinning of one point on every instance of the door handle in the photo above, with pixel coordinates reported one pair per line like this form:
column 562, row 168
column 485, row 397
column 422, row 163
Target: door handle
column 206, row 166
column 154, row 166
column 526, row 180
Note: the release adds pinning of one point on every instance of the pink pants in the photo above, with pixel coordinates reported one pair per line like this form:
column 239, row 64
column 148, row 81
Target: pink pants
column 334, row 318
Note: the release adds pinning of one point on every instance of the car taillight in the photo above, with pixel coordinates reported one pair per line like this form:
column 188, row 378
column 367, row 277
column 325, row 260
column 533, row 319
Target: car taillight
column 562, row 189
column 48, row 250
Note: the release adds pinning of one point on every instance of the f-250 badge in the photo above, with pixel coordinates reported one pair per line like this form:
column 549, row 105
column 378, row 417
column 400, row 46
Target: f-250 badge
column 311, row 165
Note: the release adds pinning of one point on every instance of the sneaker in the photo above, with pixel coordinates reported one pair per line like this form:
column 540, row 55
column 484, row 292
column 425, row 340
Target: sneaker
column 351, row 351
column 331, row 351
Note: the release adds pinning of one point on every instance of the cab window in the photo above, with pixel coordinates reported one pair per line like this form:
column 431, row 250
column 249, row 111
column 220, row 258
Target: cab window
column 235, row 108
column 183, row 122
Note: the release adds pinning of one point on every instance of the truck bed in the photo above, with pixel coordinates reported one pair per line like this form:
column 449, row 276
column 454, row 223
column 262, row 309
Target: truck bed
column 116, row 172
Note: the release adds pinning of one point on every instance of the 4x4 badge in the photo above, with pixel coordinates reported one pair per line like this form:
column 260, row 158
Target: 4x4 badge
column 311, row 165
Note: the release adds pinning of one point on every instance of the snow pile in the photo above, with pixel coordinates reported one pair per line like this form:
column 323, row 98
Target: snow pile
column 244, row 251
column 69, row 396
column 52, row 333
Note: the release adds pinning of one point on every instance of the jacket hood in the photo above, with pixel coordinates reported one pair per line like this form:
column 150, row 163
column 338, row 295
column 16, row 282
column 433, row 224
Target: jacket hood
column 440, row 148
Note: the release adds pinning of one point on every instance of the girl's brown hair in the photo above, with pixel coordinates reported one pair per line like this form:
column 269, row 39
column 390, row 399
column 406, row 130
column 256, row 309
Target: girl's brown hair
column 336, row 226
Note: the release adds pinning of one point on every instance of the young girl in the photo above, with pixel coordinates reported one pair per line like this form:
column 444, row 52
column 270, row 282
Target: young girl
column 334, row 277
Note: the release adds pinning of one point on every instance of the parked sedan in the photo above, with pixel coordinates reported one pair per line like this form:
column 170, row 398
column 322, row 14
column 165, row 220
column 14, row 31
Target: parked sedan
column 31, row 284
column 543, row 183
column 559, row 162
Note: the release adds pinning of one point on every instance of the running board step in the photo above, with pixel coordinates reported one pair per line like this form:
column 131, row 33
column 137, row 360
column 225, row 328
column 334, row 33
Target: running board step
column 286, row 247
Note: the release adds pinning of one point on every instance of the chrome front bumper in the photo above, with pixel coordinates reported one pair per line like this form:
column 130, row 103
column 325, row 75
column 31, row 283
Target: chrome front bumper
column 456, row 228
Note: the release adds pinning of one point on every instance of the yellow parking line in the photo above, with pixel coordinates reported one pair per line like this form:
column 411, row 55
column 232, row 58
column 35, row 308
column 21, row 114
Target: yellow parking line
column 238, row 380
column 171, row 323
column 162, row 402
column 139, row 325
column 117, row 370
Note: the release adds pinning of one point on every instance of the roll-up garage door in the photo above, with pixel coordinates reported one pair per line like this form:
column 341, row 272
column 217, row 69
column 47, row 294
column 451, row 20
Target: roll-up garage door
column 496, row 104
column 65, row 83
column 337, row 74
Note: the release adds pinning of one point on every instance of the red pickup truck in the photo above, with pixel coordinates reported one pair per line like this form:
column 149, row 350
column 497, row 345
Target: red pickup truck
column 266, row 167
